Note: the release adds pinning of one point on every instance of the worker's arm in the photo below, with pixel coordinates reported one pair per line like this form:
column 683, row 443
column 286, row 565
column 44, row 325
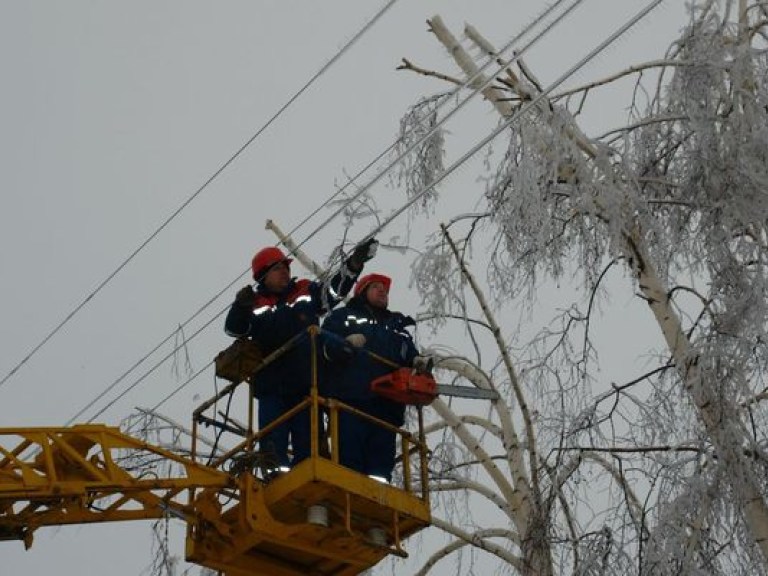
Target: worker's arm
column 269, row 325
column 335, row 331
column 335, row 289
column 238, row 322
column 400, row 347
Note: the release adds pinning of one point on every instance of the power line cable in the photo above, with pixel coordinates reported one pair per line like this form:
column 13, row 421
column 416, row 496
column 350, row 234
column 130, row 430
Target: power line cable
column 139, row 362
column 519, row 114
column 482, row 143
column 413, row 146
column 400, row 157
column 181, row 386
column 447, row 97
column 205, row 185
column 157, row 365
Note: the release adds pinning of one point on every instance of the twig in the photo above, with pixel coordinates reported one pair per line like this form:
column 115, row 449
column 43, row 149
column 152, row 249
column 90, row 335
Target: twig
column 408, row 65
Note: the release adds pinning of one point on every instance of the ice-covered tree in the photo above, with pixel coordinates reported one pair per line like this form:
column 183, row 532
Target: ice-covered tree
column 665, row 472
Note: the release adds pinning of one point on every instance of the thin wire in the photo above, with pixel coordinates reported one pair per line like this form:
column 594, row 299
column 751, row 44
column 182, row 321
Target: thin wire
column 524, row 110
column 189, row 200
column 447, row 98
column 182, row 385
column 363, row 189
column 158, row 364
column 139, row 362
column 438, row 125
column 514, row 118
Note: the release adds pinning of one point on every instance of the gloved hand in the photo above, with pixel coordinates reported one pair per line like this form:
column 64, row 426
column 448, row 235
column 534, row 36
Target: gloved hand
column 361, row 254
column 341, row 355
column 423, row 364
column 356, row 340
column 401, row 321
column 246, row 297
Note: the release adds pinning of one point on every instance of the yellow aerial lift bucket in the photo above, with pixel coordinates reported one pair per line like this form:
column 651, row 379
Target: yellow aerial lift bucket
column 319, row 518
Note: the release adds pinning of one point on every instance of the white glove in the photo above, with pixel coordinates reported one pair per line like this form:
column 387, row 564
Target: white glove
column 356, row 340
column 423, row 364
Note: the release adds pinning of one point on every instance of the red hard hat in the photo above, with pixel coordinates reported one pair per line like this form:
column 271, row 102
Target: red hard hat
column 369, row 279
column 265, row 258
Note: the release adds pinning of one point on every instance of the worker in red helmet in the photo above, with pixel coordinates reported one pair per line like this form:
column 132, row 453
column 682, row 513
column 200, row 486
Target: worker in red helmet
column 367, row 324
column 271, row 312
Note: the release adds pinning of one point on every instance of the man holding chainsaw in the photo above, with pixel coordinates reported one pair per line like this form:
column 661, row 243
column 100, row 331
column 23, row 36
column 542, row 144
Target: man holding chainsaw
column 272, row 312
column 370, row 341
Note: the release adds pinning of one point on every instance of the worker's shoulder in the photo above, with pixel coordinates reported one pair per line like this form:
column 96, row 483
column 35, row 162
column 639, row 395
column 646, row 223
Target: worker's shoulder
column 303, row 285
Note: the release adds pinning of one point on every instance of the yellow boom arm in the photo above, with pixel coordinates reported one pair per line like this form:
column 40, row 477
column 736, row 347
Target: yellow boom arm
column 53, row 476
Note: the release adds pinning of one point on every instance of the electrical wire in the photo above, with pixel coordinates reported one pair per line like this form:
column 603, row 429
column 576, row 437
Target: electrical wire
column 524, row 110
column 143, row 359
column 482, row 143
column 160, row 363
column 205, row 185
column 447, row 97
column 424, row 138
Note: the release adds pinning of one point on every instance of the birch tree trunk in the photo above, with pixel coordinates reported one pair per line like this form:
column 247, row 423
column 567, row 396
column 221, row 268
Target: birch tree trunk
column 614, row 204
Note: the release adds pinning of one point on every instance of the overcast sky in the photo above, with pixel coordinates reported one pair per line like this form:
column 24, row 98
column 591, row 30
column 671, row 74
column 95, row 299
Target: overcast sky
column 114, row 113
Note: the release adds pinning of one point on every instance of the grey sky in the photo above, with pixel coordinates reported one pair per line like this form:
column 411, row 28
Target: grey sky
column 112, row 114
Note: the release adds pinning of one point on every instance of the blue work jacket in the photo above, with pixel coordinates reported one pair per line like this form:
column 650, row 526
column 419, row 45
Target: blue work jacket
column 350, row 370
column 276, row 318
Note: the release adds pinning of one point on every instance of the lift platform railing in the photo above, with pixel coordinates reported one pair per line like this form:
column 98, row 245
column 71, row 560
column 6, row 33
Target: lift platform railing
column 324, row 439
column 319, row 518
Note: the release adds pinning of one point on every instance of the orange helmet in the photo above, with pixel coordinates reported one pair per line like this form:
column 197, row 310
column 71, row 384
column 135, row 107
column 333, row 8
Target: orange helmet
column 265, row 258
column 369, row 279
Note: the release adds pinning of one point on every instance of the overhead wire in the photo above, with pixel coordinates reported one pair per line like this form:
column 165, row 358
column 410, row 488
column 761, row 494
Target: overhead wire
column 447, row 97
column 520, row 113
column 368, row 25
column 474, row 92
column 146, row 356
column 525, row 109
column 468, row 82
column 155, row 367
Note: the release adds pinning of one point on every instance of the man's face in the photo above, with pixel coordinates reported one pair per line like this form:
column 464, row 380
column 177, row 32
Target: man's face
column 377, row 295
column 278, row 277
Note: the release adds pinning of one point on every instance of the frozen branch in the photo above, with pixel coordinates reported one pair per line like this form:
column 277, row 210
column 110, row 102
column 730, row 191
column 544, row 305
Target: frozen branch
column 664, row 63
column 408, row 65
column 478, row 488
column 518, row 496
column 294, row 249
column 635, row 508
column 466, row 369
column 525, row 93
column 512, row 440
column 465, row 62
column 478, row 539
column 470, row 419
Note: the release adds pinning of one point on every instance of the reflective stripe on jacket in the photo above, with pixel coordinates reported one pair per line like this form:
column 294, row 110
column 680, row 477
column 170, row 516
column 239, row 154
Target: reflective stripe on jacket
column 350, row 371
column 276, row 318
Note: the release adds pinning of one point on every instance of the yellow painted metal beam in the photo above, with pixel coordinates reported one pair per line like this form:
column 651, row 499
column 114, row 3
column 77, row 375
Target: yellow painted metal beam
column 55, row 476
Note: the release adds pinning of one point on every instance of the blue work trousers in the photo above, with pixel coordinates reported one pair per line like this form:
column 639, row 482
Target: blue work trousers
column 295, row 431
column 365, row 446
